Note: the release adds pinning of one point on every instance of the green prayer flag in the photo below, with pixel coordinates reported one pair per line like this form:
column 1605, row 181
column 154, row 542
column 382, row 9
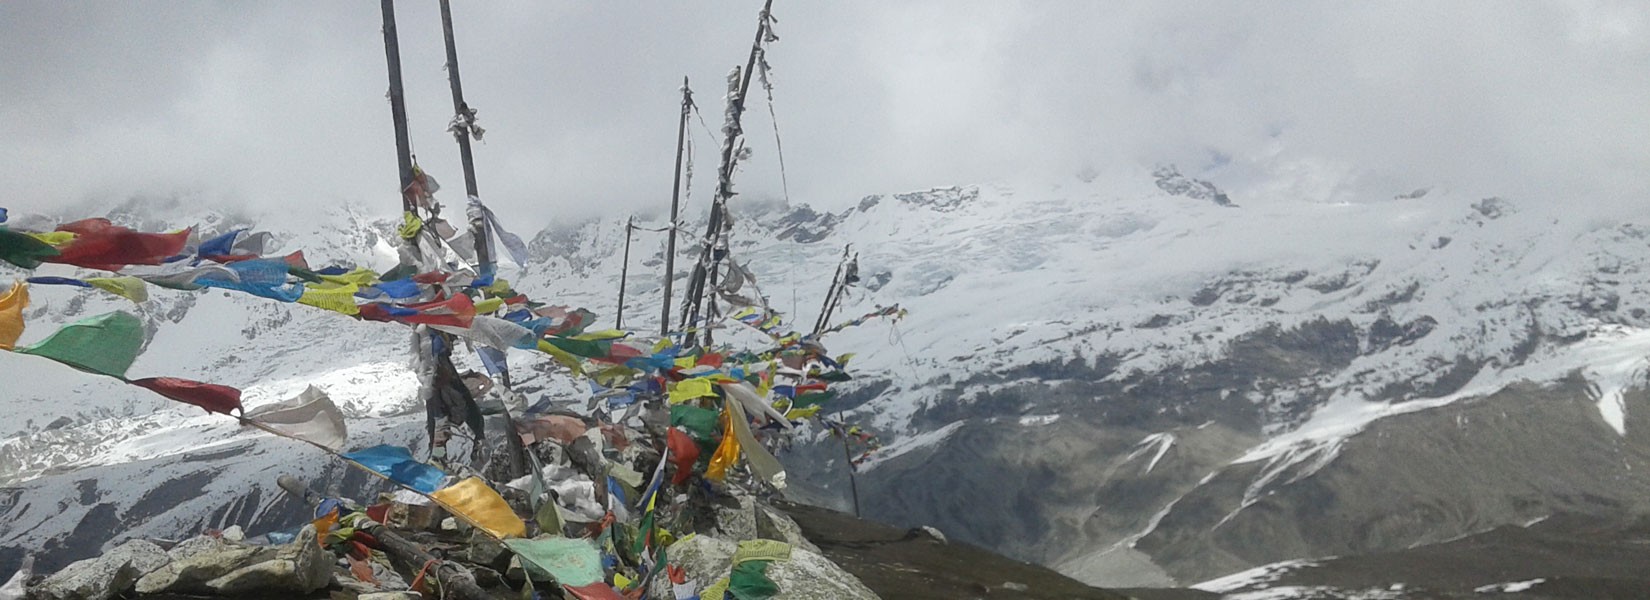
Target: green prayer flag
column 812, row 398
column 701, row 423
column 106, row 344
column 569, row 561
column 584, row 348
column 749, row 581
column 23, row 250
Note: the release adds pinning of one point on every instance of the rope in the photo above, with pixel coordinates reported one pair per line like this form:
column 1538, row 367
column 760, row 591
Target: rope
column 779, row 148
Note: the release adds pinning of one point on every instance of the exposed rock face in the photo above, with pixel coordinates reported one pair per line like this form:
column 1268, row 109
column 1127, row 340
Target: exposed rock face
column 234, row 569
column 103, row 577
column 806, row 576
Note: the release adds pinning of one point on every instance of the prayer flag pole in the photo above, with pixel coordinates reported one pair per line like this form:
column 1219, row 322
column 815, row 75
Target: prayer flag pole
column 398, row 105
column 704, row 273
column 675, row 206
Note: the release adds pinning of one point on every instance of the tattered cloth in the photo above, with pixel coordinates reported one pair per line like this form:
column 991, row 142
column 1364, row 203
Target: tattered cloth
column 100, row 244
column 210, row 396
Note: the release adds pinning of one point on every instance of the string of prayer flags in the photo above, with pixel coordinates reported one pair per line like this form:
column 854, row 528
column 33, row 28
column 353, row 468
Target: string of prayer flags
column 12, row 304
column 310, row 416
column 100, row 244
column 210, row 396
column 476, row 502
column 396, row 464
column 106, row 344
column 22, row 250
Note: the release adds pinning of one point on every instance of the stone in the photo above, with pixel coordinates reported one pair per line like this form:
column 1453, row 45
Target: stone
column 774, row 525
column 391, row 596
column 234, row 534
column 806, row 576
column 103, row 577
column 195, row 545
column 235, row 569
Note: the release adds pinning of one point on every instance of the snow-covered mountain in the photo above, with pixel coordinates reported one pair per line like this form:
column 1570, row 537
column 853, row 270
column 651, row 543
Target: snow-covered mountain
column 1140, row 378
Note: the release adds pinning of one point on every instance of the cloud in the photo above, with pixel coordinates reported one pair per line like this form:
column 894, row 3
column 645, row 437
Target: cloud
column 283, row 104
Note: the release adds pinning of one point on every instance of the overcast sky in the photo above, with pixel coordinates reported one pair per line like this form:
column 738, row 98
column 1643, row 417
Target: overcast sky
column 282, row 103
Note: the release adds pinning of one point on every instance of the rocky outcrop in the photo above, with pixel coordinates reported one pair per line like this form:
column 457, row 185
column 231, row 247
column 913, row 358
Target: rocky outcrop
column 103, row 577
column 805, row 576
column 231, row 569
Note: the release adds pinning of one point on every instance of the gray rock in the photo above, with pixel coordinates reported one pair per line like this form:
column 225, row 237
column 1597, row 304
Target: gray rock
column 806, row 576
column 103, row 577
column 735, row 518
column 774, row 525
column 195, row 545
column 234, row 534
column 235, row 569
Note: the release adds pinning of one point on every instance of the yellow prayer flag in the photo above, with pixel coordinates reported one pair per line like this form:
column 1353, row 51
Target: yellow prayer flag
column 688, row 389
column 661, row 345
column 56, row 239
column 410, row 224
column 562, row 356
column 12, row 304
column 360, row 276
column 482, row 507
column 728, row 452
column 499, row 287
column 605, row 334
column 797, row 414
column 130, row 288
column 336, row 298
column 686, row 362
column 489, row 305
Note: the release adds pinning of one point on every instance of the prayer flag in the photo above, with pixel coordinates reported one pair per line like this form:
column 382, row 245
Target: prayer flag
column 210, row 396
column 310, row 416
column 472, row 500
column 106, row 344
column 396, row 464
column 12, row 304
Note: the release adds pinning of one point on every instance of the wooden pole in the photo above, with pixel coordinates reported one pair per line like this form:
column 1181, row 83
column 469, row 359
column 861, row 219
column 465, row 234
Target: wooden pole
column 853, row 481
column 624, row 272
column 836, row 281
column 706, row 269
column 675, row 206
column 460, row 109
column 398, row 105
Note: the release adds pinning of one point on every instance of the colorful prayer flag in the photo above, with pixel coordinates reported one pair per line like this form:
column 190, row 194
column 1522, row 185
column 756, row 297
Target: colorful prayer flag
column 12, row 304
column 106, row 344
column 479, row 504
column 210, row 396
column 396, row 464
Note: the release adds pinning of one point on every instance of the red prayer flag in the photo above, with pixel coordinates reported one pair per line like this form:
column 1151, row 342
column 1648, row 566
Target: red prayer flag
column 210, row 396
column 594, row 591
column 100, row 244
column 684, row 452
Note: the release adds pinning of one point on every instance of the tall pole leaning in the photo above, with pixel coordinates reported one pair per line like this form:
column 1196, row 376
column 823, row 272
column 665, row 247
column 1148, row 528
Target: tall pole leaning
column 705, row 270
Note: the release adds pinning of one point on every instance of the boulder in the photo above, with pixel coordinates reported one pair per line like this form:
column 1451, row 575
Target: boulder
column 235, row 569
column 806, row 576
column 103, row 577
